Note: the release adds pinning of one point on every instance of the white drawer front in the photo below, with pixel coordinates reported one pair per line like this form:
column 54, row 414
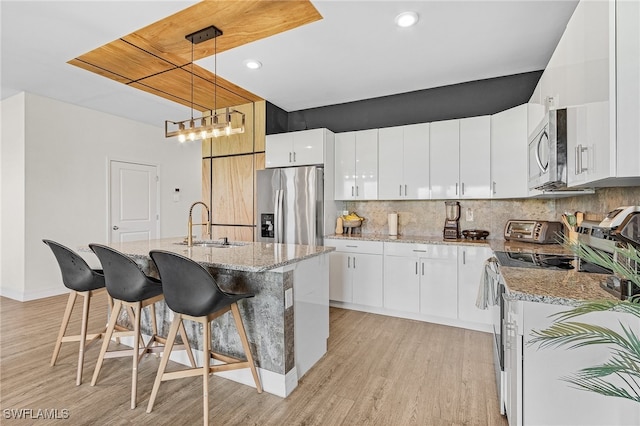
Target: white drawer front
column 432, row 251
column 355, row 246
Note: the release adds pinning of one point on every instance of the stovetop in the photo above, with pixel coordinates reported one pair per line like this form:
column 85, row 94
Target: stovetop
column 557, row 262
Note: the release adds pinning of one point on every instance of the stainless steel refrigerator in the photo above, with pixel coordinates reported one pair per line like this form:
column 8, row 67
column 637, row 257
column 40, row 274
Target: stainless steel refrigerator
column 291, row 205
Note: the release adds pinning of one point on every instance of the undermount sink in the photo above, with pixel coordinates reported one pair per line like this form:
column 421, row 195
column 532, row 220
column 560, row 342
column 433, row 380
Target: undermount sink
column 213, row 243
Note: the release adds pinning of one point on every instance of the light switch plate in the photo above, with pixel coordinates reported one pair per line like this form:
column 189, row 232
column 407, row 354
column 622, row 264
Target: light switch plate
column 288, row 298
column 469, row 215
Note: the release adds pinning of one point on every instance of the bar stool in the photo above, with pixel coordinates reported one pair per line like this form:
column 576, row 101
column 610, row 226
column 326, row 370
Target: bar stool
column 192, row 293
column 132, row 289
column 78, row 277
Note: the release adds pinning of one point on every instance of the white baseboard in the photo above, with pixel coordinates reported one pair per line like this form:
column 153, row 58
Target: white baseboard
column 486, row 328
column 22, row 296
column 274, row 383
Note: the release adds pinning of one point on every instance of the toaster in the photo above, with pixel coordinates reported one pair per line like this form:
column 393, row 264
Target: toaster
column 533, row 231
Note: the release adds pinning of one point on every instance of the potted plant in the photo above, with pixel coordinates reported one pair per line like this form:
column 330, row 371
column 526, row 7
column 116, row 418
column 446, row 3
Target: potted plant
column 619, row 376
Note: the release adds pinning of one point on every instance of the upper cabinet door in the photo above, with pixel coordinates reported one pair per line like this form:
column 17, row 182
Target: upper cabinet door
column 416, row 162
column 391, row 159
column 366, row 165
column 444, row 155
column 475, row 157
column 308, row 147
column 509, row 153
column 279, row 150
column 345, row 166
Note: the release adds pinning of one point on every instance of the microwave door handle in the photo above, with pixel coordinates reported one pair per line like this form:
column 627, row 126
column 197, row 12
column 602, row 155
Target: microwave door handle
column 538, row 160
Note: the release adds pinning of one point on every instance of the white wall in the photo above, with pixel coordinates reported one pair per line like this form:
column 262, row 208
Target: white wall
column 66, row 154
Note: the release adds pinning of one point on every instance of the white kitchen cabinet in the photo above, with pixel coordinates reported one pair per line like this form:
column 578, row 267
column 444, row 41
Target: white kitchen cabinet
column 475, row 157
column 402, row 283
column 356, row 165
column 509, row 152
column 536, row 393
column 470, row 267
column 594, row 72
column 356, row 272
column 302, row 148
column 460, row 154
column 403, row 154
column 438, row 282
column 444, row 154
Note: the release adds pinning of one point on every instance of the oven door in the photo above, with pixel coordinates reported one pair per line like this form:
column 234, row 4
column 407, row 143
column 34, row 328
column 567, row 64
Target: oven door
column 497, row 314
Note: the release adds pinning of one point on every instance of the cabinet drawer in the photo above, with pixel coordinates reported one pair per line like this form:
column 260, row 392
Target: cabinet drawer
column 351, row 246
column 432, row 251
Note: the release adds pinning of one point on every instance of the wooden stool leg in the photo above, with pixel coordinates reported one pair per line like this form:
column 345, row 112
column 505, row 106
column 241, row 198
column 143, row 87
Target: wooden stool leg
column 107, row 337
column 110, row 303
column 206, row 360
column 63, row 327
column 173, row 331
column 185, row 341
column 154, row 322
column 83, row 335
column 136, row 353
column 245, row 344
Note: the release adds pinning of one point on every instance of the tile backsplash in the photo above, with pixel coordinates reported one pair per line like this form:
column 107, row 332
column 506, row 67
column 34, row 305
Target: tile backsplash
column 427, row 217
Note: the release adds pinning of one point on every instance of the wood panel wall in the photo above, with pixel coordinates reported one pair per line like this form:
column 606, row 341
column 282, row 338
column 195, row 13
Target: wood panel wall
column 229, row 166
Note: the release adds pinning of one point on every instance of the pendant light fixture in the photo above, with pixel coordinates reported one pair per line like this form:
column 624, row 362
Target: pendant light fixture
column 220, row 123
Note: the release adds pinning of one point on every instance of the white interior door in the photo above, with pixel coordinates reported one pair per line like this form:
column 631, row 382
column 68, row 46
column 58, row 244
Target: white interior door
column 133, row 202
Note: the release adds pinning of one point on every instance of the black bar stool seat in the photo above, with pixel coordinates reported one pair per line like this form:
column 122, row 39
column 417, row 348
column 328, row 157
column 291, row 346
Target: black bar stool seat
column 192, row 293
column 83, row 281
column 132, row 289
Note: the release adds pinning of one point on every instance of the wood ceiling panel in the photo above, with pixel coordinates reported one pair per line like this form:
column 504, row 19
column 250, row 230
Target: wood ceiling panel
column 150, row 56
column 126, row 60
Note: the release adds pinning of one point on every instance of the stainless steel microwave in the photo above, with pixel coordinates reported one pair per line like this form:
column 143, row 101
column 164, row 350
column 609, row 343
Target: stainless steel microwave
column 548, row 152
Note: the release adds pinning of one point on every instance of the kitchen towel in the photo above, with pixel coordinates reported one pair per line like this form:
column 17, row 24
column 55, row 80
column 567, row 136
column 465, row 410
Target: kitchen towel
column 393, row 224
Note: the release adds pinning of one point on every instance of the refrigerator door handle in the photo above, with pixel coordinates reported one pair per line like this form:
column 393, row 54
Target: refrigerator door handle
column 278, row 217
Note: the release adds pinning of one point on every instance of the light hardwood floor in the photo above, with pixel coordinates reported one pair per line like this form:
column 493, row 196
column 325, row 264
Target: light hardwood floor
column 378, row 370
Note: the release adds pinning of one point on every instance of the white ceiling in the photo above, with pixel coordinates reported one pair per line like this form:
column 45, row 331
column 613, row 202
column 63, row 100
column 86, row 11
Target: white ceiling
column 355, row 52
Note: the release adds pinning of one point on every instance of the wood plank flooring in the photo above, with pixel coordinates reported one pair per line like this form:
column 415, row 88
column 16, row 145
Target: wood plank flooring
column 378, row 371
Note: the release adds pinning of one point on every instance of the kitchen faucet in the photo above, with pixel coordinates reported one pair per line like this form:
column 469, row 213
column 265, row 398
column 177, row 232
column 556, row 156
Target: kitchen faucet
column 190, row 223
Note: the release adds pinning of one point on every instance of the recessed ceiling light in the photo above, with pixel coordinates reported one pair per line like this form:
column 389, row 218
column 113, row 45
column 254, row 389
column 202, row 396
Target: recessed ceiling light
column 406, row 19
column 252, row 64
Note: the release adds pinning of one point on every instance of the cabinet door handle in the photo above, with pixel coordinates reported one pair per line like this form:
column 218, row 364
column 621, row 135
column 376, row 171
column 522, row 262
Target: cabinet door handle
column 462, row 188
column 351, row 246
column 423, row 269
column 357, row 191
column 456, row 188
column 580, row 150
column 348, row 261
column 353, row 191
column 494, row 188
column 416, row 268
column 289, row 157
column 354, row 262
column 419, row 251
column 294, row 156
column 405, row 189
column 400, row 190
column 464, row 257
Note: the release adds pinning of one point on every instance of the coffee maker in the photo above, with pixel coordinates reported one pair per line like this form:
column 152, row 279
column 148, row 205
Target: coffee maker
column 452, row 223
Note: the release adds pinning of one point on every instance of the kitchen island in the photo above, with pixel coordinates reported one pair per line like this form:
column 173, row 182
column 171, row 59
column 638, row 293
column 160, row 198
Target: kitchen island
column 287, row 322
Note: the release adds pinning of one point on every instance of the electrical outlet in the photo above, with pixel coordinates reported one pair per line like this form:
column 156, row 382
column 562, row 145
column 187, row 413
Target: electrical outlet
column 469, row 215
column 288, row 298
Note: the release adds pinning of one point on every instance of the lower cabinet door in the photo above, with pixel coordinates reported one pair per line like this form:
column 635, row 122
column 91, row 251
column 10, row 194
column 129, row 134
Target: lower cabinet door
column 470, row 265
column 438, row 287
column 340, row 282
column 402, row 283
column 367, row 279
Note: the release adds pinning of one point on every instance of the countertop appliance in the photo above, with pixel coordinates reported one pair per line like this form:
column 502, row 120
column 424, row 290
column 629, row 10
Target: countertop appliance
column 475, row 234
column 533, row 231
column 452, row 222
column 291, row 205
column 548, row 152
column 621, row 226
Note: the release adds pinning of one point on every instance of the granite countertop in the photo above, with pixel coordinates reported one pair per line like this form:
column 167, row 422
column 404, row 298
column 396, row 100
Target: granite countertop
column 414, row 239
column 554, row 287
column 249, row 257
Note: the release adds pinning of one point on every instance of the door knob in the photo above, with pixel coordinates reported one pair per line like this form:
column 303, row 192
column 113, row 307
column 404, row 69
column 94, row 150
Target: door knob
column 115, row 227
